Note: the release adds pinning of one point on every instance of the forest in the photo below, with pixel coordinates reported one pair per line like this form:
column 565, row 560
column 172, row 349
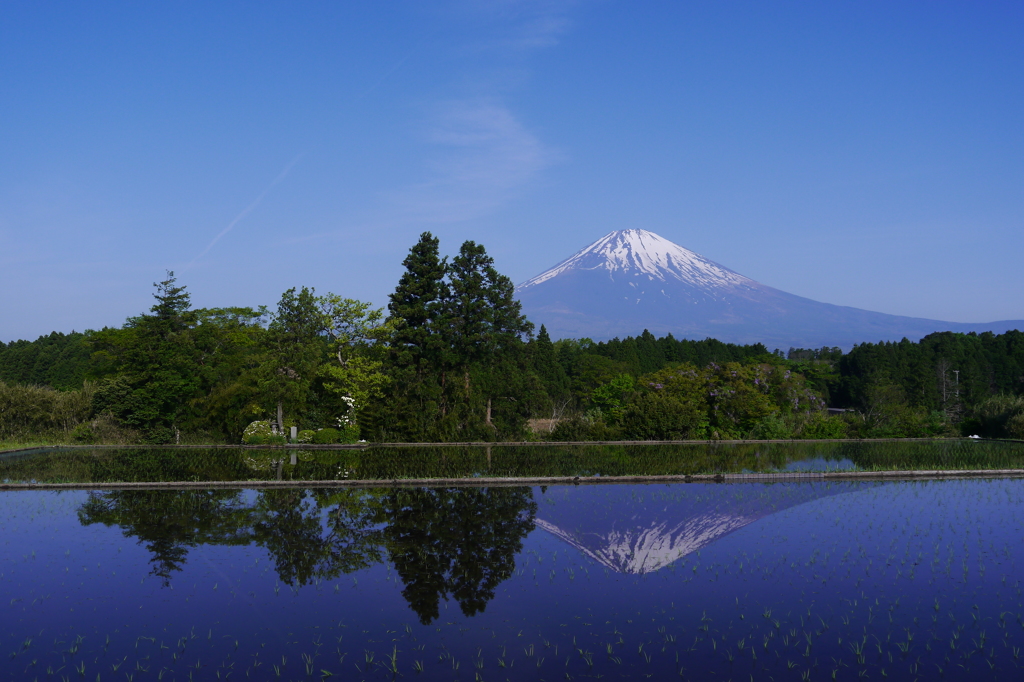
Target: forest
column 453, row 359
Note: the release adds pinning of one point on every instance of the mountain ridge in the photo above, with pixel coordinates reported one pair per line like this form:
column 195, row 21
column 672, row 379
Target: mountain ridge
column 631, row 280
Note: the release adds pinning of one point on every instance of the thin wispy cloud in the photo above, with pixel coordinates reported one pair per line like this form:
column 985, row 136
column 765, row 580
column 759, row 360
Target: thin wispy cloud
column 477, row 154
column 484, row 154
column 523, row 25
column 539, row 32
column 247, row 210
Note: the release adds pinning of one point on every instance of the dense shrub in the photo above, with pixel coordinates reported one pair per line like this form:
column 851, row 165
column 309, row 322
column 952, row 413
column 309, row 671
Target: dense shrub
column 658, row 416
column 722, row 401
column 32, row 410
column 1001, row 416
column 83, row 434
column 901, row 421
column 771, row 427
column 349, row 434
column 346, row 434
column 821, row 426
column 585, row 427
column 1015, row 426
column 327, row 436
column 889, row 414
column 574, row 428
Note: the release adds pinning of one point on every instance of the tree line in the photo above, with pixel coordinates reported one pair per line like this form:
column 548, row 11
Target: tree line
column 452, row 358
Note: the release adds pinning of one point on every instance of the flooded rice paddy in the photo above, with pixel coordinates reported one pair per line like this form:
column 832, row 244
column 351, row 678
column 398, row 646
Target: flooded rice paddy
column 134, row 465
column 790, row 580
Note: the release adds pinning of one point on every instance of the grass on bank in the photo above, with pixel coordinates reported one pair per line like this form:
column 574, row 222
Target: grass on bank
column 17, row 444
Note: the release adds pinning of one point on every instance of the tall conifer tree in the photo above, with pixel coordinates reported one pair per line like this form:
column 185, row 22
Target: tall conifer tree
column 486, row 336
column 416, row 355
column 153, row 363
column 416, row 304
column 549, row 370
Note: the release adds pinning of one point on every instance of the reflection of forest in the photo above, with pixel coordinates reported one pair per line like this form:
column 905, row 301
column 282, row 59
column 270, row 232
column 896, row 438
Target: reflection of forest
column 388, row 464
column 458, row 542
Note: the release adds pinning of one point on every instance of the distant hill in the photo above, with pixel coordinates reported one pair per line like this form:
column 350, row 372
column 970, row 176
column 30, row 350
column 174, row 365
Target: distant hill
column 631, row 280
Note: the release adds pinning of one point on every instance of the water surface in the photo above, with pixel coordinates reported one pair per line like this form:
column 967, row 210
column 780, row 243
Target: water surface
column 105, row 465
column 784, row 581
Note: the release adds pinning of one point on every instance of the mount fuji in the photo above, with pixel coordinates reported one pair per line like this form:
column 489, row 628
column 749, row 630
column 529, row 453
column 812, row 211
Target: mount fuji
column 631, row 280
column 631, row 534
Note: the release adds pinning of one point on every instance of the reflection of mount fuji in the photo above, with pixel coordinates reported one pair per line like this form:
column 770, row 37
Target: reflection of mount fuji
column 640, row 529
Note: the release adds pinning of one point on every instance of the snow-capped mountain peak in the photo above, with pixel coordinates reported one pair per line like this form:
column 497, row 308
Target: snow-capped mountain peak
column 644, row 254
column 631, row 280
column 645, row 550
column 642, row 534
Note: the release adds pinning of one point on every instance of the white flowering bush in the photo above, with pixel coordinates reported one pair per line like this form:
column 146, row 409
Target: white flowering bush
column 347, row 427
column 261, row 433
column 349, row 417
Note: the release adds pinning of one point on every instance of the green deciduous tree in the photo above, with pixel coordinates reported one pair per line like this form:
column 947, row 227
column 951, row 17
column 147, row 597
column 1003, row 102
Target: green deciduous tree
column 294, row 347
column 358, row 335
column 229, row 342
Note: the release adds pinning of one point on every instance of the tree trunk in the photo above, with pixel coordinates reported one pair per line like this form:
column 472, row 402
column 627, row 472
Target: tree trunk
column 488, row 419
column 443, row 402
column 280, row 417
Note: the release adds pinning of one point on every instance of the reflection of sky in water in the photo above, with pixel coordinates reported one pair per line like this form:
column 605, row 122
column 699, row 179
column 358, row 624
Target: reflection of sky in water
column 931, row 560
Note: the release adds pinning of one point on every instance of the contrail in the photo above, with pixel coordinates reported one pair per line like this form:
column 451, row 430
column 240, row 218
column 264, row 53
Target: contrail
column 247, row 209
column 383, row 78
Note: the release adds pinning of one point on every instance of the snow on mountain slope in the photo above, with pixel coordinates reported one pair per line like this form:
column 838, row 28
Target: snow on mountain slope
column 637, row 534
column 645, row 550
column 632, row 280
column 643, row 253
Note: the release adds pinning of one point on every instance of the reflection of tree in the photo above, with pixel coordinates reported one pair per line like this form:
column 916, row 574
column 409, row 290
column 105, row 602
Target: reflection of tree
column 458, row 541
column 309, row 534
column 169, row 522
column 317, row 534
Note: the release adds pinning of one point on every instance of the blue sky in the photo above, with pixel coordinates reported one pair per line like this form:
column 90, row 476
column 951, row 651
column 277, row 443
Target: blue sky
column 860, row 153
